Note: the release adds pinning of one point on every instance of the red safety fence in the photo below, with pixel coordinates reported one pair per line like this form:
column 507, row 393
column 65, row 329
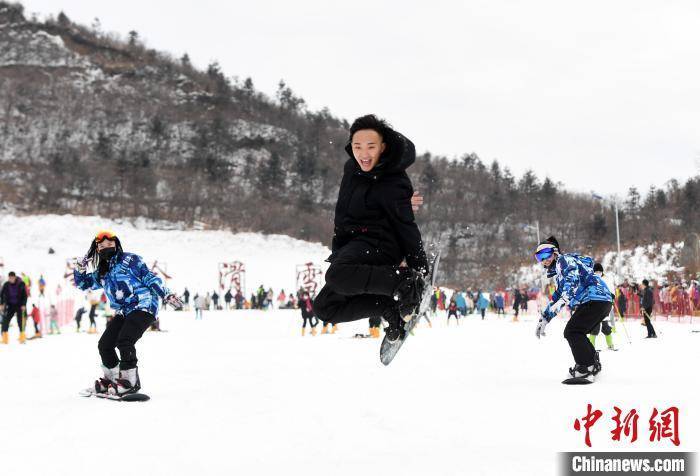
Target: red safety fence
column 670, row 302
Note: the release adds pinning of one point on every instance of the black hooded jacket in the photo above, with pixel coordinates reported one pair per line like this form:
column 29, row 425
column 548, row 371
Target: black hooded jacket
column 375, row 206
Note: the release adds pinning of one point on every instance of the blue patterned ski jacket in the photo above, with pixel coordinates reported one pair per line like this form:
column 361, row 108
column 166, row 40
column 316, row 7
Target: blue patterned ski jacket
column 576, row 284
column 129, row 284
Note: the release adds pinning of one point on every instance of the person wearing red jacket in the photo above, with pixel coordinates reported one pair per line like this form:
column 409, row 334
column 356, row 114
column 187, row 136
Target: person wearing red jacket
column 36, row 317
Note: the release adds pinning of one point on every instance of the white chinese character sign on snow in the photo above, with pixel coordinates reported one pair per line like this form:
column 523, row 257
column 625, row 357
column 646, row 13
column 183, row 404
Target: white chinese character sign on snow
column 70, row 266
column 161, row 269
column 309, row 277
column 232, row 274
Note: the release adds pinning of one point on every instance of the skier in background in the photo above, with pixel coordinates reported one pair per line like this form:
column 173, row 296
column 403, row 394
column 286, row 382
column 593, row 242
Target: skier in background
column 587, row 296
column 94, row 297
column 281, row 300
column 240, row 300
column 261, row 297
column 13, row 302
column 646, row 302
column 53, row 320
column 42, row 285
column 36, row 318
column 199, row 305
column 375, row 233
column 27, row 284
column 227, row 299
column 517, row 302
column 186, row 296
column 461, row 304
column 215, row 300
column 621, row 302
column 482, row 303
column 500, row 304
column 79, row 317
column 134, row 293
column 307, row 313
column 452, row 310
column 607, row 325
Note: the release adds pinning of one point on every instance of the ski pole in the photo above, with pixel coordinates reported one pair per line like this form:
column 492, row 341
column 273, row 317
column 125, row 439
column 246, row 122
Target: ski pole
column 622, row 321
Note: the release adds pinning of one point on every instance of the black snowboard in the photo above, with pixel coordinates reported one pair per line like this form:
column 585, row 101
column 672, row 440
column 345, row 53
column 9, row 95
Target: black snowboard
column 576, row 381
column 131, row 397
column 388, row 350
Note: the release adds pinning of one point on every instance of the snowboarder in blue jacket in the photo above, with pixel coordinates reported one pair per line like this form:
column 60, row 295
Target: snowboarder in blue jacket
column 587, row 296
column 134, row 293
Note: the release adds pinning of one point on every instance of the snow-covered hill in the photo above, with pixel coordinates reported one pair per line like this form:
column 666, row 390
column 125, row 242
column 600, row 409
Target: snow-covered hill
column 652, row 262
column 191, row 257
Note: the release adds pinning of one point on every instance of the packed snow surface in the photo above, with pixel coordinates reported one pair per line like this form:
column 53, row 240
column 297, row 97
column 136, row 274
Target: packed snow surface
column 242, row 392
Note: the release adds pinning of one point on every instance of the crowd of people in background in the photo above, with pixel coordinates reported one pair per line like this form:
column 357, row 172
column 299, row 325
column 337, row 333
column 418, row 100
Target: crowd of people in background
column 645, row 300
column 262, row 299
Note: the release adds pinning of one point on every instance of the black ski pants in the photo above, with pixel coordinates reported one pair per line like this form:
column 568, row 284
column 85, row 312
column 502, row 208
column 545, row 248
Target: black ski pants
column 359, row 284
column 122, row 332
column 10, row 311
column 646, row 312
column 586, row 317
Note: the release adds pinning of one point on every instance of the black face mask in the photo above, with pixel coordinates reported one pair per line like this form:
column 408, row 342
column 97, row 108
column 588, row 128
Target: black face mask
column 107, row 253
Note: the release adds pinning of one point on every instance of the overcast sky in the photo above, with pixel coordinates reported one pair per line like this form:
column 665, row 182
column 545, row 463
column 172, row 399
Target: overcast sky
column 600, row 95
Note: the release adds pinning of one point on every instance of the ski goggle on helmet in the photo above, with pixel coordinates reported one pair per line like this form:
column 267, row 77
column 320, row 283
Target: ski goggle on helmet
column 104, row 235
column 544, row 251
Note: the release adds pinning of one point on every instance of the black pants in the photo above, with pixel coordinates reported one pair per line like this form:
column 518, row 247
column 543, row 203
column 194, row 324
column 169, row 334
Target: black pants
column 359, row 284
column 646, row 312
column 122, row 332
column 483, row 313
column 607, row 330
column 311, row 319
column 452, row 313
column 10, row 311
column 585, row 318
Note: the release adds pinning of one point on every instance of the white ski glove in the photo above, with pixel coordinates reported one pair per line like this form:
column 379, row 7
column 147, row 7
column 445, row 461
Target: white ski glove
column 541, row 324
column 173, row 300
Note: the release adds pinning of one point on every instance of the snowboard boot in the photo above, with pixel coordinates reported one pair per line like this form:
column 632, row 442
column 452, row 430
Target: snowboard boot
column 128, row 382
column 409, row 292
column 108, row 379
column 583, row 371
column 597, row 366
column 303, row 331
column 334, row 329
column 393, row 324
column 325, row 329
column 5, row 338
column 22, row 337
column 313, row 331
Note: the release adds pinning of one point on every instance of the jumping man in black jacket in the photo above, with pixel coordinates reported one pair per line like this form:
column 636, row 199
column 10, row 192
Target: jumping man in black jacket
column 375, row 233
